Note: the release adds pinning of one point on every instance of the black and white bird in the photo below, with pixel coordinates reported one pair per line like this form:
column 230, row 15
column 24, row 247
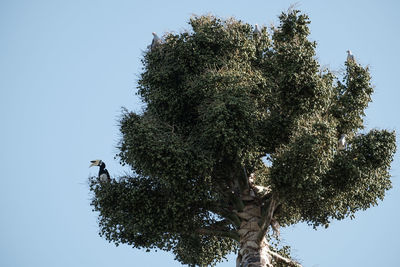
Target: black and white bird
column 342, row 142
column 156, row 41
column 350, row 56
column 104, row 176
column 257, row 30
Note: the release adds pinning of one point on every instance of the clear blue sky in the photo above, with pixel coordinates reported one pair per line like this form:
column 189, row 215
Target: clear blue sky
column 66, row 68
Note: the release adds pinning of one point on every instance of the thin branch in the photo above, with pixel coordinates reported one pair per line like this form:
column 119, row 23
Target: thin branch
column 266, row 220
column 230, row 216
column 230, row 234
column 220, row 224
column 233, row 218
column 246, row 179
column 280, row 258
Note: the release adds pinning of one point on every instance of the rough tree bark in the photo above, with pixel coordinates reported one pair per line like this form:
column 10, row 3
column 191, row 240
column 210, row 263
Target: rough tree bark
column 255, row 219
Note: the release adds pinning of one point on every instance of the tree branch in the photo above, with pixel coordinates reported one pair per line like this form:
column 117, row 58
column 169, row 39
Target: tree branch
column 230, row 234
column 230, row 216
column 280, row 258
column 221, row 223
column 266, row 220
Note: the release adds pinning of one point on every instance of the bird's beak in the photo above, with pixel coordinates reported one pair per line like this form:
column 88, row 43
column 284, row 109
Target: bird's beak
column 94, row 163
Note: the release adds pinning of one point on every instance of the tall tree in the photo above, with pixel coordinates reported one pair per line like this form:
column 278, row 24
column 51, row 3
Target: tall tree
column 239, row 133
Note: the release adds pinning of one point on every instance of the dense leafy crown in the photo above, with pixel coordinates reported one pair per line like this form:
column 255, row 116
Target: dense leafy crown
column 222, row 103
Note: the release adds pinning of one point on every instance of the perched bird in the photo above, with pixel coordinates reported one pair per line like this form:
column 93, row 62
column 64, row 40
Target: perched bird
column 156, row 41
column 104, row 176
column 342, row 142
column 257, row 30
column 350, row 56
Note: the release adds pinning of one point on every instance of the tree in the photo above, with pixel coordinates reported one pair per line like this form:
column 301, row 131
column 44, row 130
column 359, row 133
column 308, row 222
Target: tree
column 239, row 133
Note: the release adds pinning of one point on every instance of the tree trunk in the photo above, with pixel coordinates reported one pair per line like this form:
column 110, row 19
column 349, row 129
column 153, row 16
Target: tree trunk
column 253, row 251
column 254, row 255
column 254, row 248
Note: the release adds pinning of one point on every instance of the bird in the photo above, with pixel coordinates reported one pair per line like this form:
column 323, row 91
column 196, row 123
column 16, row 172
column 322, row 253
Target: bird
column 257, row 30
column 342, row 142
column 350, row 56
column 156, row 41
column 104, row 176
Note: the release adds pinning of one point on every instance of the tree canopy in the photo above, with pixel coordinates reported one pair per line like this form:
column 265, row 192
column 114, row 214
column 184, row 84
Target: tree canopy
column 229, row 110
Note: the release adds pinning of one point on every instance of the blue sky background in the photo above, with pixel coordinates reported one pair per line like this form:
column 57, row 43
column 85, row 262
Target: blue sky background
column 67, row 67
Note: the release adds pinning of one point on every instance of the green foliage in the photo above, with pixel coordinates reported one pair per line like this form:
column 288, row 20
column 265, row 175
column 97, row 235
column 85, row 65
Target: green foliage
column 218, row 100
column 209, row 249
column 352, row 97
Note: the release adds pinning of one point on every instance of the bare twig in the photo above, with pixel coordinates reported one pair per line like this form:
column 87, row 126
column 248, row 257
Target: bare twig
column 280, row 258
